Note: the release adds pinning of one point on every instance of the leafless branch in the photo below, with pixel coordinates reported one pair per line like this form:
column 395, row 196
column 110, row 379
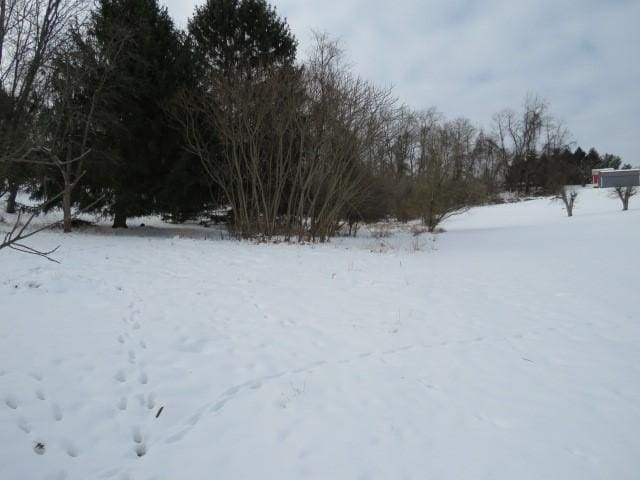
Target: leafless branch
column 18, row 233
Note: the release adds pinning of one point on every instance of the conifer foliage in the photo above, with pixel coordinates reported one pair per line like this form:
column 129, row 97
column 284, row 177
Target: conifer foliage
column 144, row 79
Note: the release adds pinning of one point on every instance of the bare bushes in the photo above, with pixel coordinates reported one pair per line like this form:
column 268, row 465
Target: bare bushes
column 443, row 186
column 288, row 146
column 300, row 151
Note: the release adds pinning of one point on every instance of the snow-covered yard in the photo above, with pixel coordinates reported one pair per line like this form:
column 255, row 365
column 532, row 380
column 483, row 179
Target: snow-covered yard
column 506, row 348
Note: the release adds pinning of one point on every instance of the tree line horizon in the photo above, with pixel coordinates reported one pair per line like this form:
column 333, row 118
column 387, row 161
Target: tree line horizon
column 111, row 109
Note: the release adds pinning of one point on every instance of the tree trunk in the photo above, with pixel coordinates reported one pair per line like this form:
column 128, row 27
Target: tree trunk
column 119, row 220
column 66, row 210
column 568, row 203
column 11, row 201
column 625, row 195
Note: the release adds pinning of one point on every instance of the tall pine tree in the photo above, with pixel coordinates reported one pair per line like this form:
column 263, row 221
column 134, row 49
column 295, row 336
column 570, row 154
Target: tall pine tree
column 144, row 79
column 239, row 35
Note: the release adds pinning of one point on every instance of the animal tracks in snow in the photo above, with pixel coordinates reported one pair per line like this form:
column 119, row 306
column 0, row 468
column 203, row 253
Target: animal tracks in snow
column 48, row 421
column 231, row 393
column 133, row 404
column 122, row 403
column 24, row 425
column 140, row 446
column 11, row 402
column 136, row 397
column 36, row 420
column 56, row 412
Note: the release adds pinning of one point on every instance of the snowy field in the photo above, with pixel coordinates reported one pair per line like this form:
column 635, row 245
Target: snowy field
column 507, row 347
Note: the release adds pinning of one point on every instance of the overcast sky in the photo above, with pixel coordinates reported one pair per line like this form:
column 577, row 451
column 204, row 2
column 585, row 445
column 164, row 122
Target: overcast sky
column 473, row 59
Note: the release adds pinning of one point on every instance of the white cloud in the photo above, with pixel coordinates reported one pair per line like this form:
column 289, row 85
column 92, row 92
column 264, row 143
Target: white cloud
column 472, row 58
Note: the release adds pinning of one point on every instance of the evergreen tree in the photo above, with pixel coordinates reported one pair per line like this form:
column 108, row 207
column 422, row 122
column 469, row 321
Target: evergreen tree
column 592, row 160
column 240, row 35
column 186, row 192
column 581, row 171
column 145, row 78
column 610, row 161
column 228, row 40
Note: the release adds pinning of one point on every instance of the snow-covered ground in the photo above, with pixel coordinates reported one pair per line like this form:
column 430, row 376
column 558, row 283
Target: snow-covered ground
column 506, row 348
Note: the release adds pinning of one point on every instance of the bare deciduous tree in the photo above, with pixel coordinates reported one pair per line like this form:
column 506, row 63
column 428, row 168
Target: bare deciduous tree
column 625, row 194
column 445, row 187
column 568, row 197
column 489, row 166
column 292, row 143
column 30, row 33
column 79, row 74
column 521, row 138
